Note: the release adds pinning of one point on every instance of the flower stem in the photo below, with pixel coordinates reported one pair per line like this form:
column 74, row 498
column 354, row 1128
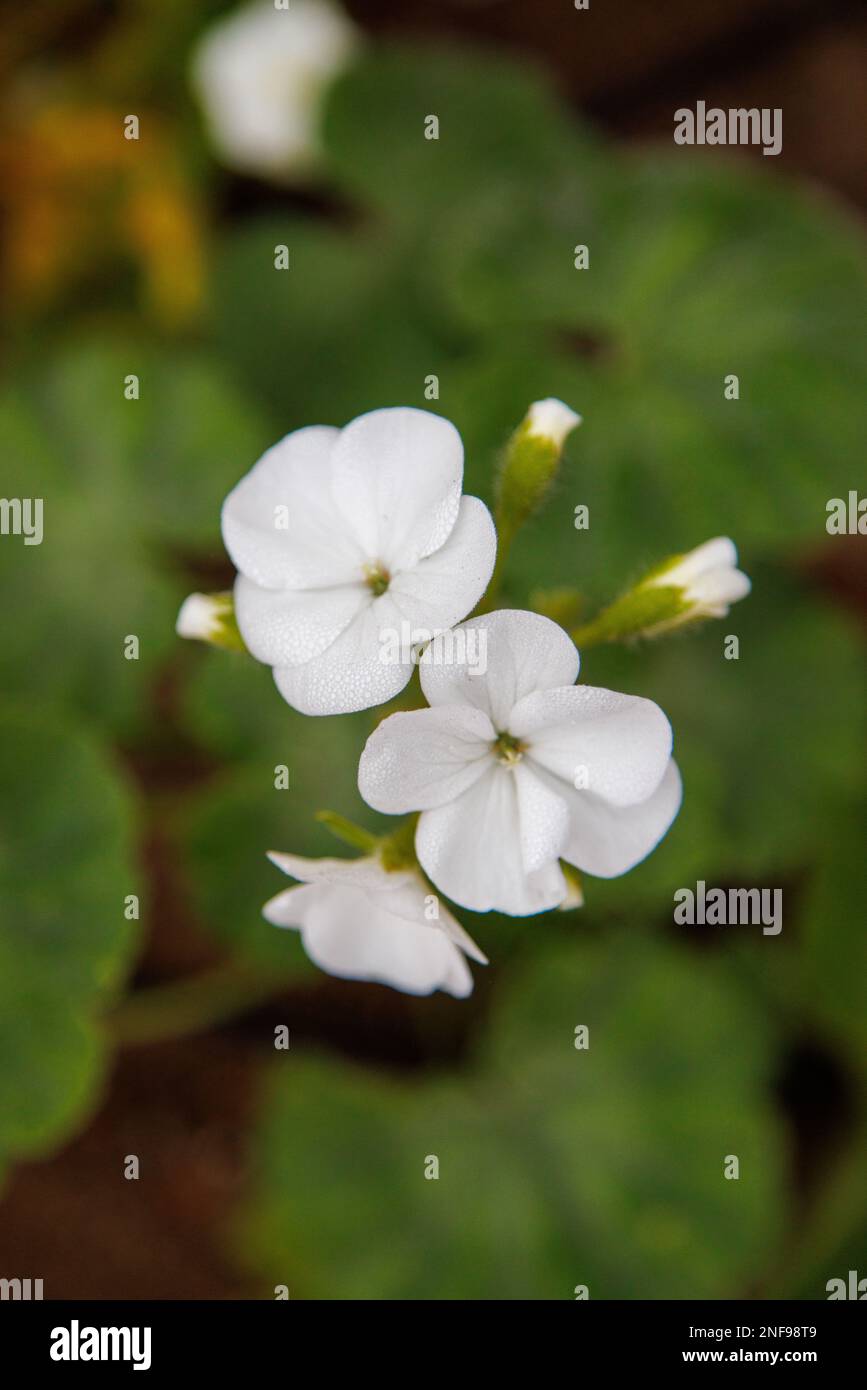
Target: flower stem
column 189, row 1006
column 347, row 831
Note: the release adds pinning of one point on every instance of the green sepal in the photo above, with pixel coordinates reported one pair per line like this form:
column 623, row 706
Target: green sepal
column 640, row 613
column 529, row 466
column 397, row 851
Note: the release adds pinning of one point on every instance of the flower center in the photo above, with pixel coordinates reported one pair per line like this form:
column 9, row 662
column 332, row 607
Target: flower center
column 508, row 749
column 377, row 579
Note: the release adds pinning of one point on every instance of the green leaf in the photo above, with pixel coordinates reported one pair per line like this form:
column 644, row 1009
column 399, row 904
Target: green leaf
column 340, row 332
column 170, row 456
column 499, row 122
column 65, row 944
column 123, row 484
column 764, row 743
column 695, row 273
column 557, row 1167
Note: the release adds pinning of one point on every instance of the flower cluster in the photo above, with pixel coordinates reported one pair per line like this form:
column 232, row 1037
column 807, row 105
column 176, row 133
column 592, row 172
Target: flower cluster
column 515, row 776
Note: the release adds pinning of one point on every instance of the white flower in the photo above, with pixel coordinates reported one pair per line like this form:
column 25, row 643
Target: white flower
column 261, row 74
column 519, row 768
column 342, row 536
column 708, row 576
column 551, row 419
column 363, row 923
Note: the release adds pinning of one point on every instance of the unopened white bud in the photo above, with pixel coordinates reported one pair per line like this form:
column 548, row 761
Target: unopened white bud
column 708, row 576
column 551, row 419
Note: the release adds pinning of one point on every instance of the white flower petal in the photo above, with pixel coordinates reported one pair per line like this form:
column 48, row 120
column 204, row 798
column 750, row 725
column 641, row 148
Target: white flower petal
column 720, row 553
column 287, row 909
column 607, row 840
column 448, row 584
column 525, row 652
column 286, row 627
column 350, row 933
column 397, row 481
column 406, row 893
column 552, row 419
column 471, row 850
column 619, row 744
column 409, row 898
column 350, row 674
column 455, row 932
column 364, row 872
column 717, row 589
column 543, row 816
column 423, row 758
column 280, row 525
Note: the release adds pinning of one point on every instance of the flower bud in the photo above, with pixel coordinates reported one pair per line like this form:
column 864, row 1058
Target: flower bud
column 210, row 618
column 708, row 578
column 551, row 419
column 531, row 461
column 682, row 589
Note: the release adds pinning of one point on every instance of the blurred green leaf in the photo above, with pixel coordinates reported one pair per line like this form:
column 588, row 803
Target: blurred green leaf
column 499, row 124
column 764, row 743
column 558, row 1167
column 123, row 482
column 695, row 273
column 170, row 457
column 832, row 939
column 65, row 943
column 358, row 321
column 341, row 331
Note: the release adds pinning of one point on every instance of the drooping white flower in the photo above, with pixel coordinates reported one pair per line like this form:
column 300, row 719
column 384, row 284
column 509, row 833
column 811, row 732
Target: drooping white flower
column 518, row 768
column 261, row 74
column 708, row 576
column 361, row 922
column 343, row 537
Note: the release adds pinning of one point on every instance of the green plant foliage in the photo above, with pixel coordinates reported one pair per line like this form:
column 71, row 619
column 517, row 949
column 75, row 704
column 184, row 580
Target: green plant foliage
column 695, row 273
column 125, row 484
column 461, row 264
column 500, row 126
column 833, row 942
column 557, row 1166
column 65, row 943
column 341, row 331
column 764, row 742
